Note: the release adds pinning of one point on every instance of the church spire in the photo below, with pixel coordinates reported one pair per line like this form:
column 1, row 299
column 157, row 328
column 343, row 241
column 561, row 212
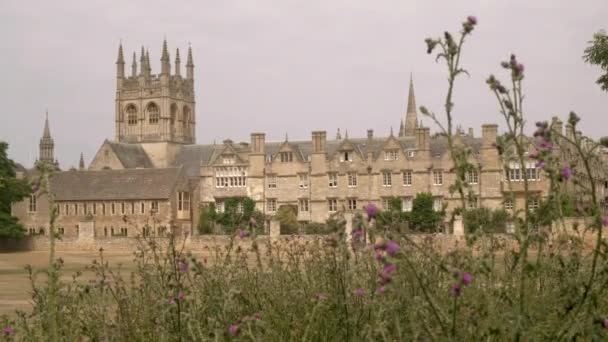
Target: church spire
column 411, row 117
column 47, row 145
column 120, row 63
column 142, row 62
column 338, row 135
column 177, row 63
column 189, row 64
column 81, row 162
column 134, row 65
column 165, row 60
column 401, row 129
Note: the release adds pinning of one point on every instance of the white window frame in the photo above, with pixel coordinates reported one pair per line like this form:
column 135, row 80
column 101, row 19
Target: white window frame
column 183, row 201
column 303, row 178
column 271, row 205
column 437, row 177
column 332, row 178
column 352, row 179
column 33, row 205
column 533, row 204
column 352, row 204
column 407, row 178
column 508, row 203
column 437, row 203
column 386, row 203
column 346, row 156
column 472, row 177
column 219, row 206
column 304, row 204
column 271, row 181
column 387, row 179
column 407, row 203
column 391, row 155
column 332, row 205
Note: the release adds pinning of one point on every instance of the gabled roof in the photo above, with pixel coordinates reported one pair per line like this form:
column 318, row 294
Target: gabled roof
column 127, row 184
column 131, row 155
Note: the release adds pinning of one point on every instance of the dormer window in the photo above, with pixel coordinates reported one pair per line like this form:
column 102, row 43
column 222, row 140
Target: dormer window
column 411, row 154
column 391, row 155
column 228, row 160
column 347, row 156
column 286, row 157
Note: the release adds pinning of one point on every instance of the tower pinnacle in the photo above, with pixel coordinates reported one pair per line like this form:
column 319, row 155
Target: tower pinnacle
column 189, row 65
column 177, row 63
column 47, row 145
column 411, row 116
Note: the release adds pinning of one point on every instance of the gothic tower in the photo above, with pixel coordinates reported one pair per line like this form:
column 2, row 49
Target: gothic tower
column 155, row 108
column 47, row 145
column 411, row 117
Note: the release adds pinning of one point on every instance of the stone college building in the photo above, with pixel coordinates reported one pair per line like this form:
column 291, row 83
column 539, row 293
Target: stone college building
column 154, row 176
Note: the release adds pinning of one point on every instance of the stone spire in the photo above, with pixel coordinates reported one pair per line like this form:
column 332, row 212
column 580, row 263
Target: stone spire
column 189, row 65
column 134, row 65
column 338, row 135
column 411, row 117
column 346, row 134
column 47, row 145
column 120, row 63
column 81, row 163
column 401, row 129
column 148, row 65
column 165, row 61
column 142, row 62
column 177, row 63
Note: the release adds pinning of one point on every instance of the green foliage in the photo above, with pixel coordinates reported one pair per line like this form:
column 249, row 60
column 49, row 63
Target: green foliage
column 423, row 218
column 485, row 220
column 11, row 190
column 287, row 215
column 239, row 213
column 207, row 219
column 597, row 54
column 394, row 218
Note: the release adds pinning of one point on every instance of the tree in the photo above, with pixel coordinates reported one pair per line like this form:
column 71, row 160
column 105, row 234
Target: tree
column 423, row 217
column 287, row 215
column 11, row 190
column 597, row 54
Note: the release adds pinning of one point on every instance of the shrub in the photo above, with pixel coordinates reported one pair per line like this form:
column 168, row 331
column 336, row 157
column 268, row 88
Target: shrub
column 423, row 217
column 485, row 220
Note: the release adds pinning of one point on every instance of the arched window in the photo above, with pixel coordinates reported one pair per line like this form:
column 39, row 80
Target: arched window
column 173, row 113
column 153, row 113
column 131, row 114
column 186, row 115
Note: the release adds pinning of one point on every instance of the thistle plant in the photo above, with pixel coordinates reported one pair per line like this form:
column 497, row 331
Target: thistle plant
column 450, row 51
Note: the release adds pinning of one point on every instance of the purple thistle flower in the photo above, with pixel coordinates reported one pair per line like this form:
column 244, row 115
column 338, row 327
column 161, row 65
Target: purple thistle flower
column 8, row 331
column 371, row 210
column 243, row 233
column 533, row 155
column 467, row 278
column 181, row 296
column 605, row 221
column 520, row 68
column 456, row 290
column 234, row 330
column 171, row 301
column 359, row 292
column 357, row 234
column 381, row 290
column 379, row 256
column 183, row 266
column 605, row 323
column 566, row 173
column 392, row 248
column 389, row 269
column 257, row 316
column 320, row 296
column 540, row 164
column 472, row 20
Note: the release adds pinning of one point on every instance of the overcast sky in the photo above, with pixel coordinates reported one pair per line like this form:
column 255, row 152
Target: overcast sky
column 287, row 66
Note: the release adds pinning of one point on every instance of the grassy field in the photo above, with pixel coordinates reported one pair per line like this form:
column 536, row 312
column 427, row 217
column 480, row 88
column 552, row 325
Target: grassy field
column 15, row 286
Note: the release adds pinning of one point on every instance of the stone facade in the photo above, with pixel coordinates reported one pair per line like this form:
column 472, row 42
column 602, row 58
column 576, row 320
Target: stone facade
column 155, row 132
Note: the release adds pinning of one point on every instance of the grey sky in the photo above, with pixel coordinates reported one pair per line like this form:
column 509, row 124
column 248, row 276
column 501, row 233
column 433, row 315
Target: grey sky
column 287, row 66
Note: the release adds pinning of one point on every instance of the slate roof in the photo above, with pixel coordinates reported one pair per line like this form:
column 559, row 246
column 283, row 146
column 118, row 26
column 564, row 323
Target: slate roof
column 127, row 184
column 191, row 157
column 131, row 155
